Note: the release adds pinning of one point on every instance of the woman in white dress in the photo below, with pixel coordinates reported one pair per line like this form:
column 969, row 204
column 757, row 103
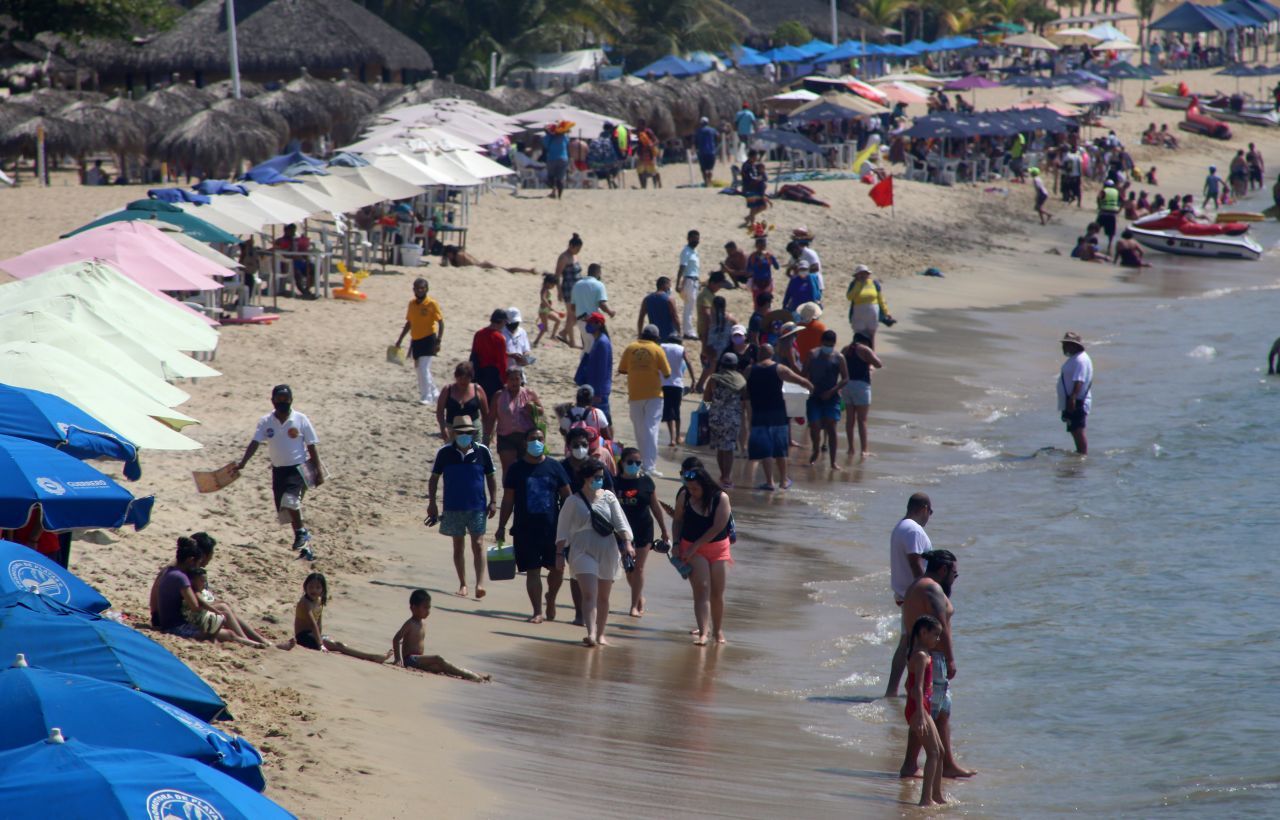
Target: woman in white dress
column 594, row 557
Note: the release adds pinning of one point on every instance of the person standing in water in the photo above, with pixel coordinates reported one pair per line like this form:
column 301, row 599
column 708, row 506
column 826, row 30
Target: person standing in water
column 1075, row 389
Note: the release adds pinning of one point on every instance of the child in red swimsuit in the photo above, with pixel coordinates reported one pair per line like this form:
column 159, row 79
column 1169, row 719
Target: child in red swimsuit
column 925, row 635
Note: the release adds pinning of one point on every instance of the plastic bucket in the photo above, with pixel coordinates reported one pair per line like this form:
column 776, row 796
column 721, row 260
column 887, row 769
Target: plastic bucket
column 502, row 563
column 795, row 397
column 410, row 255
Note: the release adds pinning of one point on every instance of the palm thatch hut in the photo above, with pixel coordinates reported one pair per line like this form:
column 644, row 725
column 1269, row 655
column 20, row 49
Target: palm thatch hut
column 51, row 100
column 345, row 105
column 223, row 90
column 176, row 102
column 214, row 143
column 274, row 37
column 255, row 112
column 13, row 112
column 146, row 118
column 103, row 129
column 61, row 138
column 515, row 99
column 306, row 115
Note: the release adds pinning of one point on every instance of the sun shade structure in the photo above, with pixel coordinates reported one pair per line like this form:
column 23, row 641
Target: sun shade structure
column 71, row 494
column 98, row 712
column 1029, row 40
column 672, row 66
column 55, row 422
column 275, row 37
column 1193, row 19
column 22, row 569
column 150, row 209
column 386, row 186
column 103, row 285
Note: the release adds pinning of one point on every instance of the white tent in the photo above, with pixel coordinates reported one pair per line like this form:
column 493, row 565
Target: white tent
column 219, row 219
column 126, row 332
column 148, row 424
column 584, row 122
column 46, row 328
column 101, row 284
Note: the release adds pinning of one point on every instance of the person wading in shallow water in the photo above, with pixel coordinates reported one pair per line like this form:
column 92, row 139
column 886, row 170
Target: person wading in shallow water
column 1075, row 389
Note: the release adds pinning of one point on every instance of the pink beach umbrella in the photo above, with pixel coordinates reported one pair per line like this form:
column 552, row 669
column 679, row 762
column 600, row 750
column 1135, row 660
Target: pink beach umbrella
column 141, row 252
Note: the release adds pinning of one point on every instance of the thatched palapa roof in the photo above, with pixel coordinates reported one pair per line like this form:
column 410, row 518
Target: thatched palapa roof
column 215, row 141
column 279, row 36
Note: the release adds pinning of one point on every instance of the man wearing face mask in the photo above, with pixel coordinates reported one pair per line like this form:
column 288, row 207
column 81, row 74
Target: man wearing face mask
column 533, row 488
column 295, row 462
column 829, row 374
column 467, row 468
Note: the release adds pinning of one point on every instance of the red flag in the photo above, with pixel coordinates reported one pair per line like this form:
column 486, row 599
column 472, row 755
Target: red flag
column 882, row 192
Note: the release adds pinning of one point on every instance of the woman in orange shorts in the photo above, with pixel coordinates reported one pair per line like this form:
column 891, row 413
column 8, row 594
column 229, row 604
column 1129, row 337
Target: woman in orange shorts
column 702, row 523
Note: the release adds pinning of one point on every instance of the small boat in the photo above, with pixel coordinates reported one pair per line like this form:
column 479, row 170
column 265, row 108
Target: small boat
column 1199, row 123
column 1248, row 116
column 1166, row 99
column 1174, row 233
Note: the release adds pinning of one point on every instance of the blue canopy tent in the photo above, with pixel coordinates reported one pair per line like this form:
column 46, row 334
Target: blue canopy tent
column 815, row 47
column 672, row 66
column 915, row 46
column 786, row 54
column 747, row 57
column 1192, row 19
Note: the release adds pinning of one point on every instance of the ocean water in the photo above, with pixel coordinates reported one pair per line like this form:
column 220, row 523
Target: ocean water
column 1115, row 617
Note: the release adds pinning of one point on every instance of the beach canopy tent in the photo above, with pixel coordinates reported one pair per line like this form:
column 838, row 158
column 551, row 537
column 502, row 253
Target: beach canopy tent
column 987, row 123
column 786, row 54
column 847, row 50
column 672, row 66
column 776, row 137
column 144, row 253
column 953, row 43
column 152, row 209
column 108, row 714
column 1031, row 41
column 833, row 106
column 1190, row 18
column 111, row 782
column 71, row 494
column 55, row 422
column 1258, row 10
column 554, row 69
column 1106, row 31
column 146, row 423
column 815, row 47
column 103, row 285
column 22, row 569
column 1116, row 45
column 907, row 93
column 747, row 57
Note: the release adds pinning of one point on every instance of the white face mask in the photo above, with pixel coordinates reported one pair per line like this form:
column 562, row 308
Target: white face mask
column 579, row 452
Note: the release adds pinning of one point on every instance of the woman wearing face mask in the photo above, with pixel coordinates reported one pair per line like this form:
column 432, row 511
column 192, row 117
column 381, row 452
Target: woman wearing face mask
column 701, row 523
column 829, row 373
column 463, row 398
column 594, row 557
column 636, row 493
column 595, row 368
column 513, row 410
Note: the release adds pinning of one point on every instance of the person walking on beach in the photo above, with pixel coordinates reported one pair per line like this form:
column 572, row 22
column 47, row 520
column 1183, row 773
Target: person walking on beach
column 769, row 441
column 533, row 490
column 659, row 309
column 687, row 275
column 555, row 150
column 859, row 360
column 829, row 373
column 424, row 323
column 724, row 395
column 1212, row 188
column 462, row 398
column 1072, row 169
column 592, row 535
column 701, row 525
column 706, row 141
column 639, row 499
column 291, row 446
column 595, row 368
column 1256, row 167
column 1042, row 195
column 1108, row 210
column 568, row 269
column 866, row 304
column 760, row 267
column 518, row 348
column 930, row 595
column 907, row 543
column 755, row 186
column 645, row 364
column 489, row 355
column 589, row 296
column 673, row 386
column 1075, row 389
column 467, row 467
column 513, row 411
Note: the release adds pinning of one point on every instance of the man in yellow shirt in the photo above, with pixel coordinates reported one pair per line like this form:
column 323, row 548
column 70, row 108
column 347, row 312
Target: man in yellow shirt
column 644, row 363
column 424, row 323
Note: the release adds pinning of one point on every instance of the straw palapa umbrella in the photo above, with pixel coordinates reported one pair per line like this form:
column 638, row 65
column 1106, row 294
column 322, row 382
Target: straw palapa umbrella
column 102, row 128
column 215, row 141
column 60, row 137
column 251, row 110
column 307, row 117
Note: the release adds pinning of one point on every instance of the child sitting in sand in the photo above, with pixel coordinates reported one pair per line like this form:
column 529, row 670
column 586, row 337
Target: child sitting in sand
column 925, row 635
column 547, row 314
column 409, row 644
column 308, row 617
column 204, row 618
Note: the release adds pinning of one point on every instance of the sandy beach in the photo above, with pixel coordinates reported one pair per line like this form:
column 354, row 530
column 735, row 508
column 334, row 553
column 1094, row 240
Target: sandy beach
column 344, row 738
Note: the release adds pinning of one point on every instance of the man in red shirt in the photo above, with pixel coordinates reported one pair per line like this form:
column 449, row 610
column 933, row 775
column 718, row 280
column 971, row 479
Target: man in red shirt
column 304, row 275
column 489, row 356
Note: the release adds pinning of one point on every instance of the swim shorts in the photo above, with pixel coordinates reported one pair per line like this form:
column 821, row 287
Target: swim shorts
column 308, row 640
column 817, row 409
column 856, row 394
column 411, row 661
column 671, row 397
column 557, row 171
column 769, row 442
column 461, row 522
column 186, row 630
column 1107, row 222
column 1075, row 419
column 707, row 162
column 534, row 550
column 426, row 346
column 941, row 704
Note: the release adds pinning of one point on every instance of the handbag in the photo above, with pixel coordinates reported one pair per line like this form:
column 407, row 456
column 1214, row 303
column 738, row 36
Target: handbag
column 602, row 524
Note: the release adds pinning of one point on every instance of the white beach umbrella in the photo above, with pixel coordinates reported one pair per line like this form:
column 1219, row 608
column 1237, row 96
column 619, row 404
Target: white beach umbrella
column 477, row 165
column 147, row 423
column 1029, row 40
column 46, row 328
column 379, row 182
column 346, row 195
column 115, row 294
column 584, row 122
column 1116, row 45
column 311, row 200
column 196, row 246
column 219, row 219
column 1074, row 37
column 411, row 168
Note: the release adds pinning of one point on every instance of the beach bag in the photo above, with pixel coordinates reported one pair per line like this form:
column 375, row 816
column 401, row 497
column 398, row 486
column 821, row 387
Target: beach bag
column 602, row 524
column 699, row 432
column 502, row 562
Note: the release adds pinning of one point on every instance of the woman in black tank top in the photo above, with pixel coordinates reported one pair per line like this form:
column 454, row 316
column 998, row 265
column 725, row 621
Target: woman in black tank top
column 462, row 398
column 861, row 360
column 702, row 523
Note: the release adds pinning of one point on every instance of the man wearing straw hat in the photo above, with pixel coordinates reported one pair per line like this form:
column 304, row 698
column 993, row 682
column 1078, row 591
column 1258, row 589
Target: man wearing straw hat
column 467, row 467
column 1075, row 389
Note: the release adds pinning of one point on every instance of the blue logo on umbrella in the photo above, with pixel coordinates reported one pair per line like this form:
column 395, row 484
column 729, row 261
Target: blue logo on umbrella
column 171, row 804
column 40, row 580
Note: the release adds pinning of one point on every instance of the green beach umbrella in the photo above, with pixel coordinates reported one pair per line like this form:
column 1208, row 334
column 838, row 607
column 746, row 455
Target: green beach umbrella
column 192, row 225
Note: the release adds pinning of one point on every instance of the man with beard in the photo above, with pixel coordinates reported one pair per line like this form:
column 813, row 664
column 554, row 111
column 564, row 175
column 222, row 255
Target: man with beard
column 930, row 594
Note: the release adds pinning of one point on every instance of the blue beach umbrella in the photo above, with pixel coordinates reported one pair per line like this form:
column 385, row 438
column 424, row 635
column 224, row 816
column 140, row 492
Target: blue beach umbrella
column 22, row 569
column 55, row 636
column 55, row 422
column 71, row 494
column 71, row 779
column 108, row 714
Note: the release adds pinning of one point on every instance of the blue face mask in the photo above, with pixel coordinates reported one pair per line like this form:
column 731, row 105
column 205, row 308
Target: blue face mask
column 535, row 448
column 597, row 483
column 463, row 440
column 631, row 469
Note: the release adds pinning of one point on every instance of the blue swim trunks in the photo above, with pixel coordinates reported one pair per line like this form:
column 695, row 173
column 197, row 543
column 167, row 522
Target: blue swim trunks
column 461, row 522
column 817, row 409
column 769, row 442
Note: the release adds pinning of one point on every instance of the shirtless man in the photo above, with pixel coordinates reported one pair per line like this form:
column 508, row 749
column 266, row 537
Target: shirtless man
column 1273, row 358
column 409, row 644
column 930, row 594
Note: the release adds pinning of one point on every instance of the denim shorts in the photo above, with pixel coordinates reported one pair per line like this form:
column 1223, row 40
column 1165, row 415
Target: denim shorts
column 461, row 522
column 818, row 409
column 856, row 394
column 769, row 442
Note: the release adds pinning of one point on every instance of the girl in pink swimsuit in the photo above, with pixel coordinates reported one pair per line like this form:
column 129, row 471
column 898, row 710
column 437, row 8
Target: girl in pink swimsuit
column 925, row 635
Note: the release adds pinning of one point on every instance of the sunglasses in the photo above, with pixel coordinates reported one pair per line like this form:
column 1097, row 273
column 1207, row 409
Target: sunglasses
column 689, row 476
column 632, row 463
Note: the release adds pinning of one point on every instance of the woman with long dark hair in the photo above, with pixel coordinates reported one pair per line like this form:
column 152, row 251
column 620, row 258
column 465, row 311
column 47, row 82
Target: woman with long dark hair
column 639, row 499
column 594, row 556
column 701, row 524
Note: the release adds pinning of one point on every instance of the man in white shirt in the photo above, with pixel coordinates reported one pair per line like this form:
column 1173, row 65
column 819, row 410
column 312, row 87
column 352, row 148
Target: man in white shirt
column 907, row 544
column 295, row 462
column 589, row 296
column 518, row 349
column 1075, row 389
column 688, row 275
